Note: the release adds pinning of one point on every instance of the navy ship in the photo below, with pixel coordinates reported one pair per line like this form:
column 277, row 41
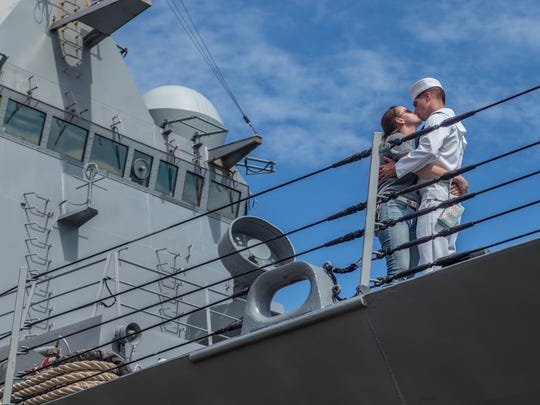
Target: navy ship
column 133, row 271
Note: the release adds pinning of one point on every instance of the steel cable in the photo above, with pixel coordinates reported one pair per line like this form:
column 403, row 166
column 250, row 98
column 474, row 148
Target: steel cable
column 446, row 176
column 344, row 238
column 452, row 230
column 444, row 204
column 450, row 259
column 453, row 173
column 193, row 33
column 173, row 298
column 441, row 261
column 350, row 159
column 347, row 211
column 391, row 222
column 157, row 353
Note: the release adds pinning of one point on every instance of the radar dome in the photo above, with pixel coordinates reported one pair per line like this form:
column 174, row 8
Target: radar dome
column 179, row 103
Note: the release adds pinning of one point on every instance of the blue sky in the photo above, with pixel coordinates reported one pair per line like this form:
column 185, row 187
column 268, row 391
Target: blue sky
column 315, row 76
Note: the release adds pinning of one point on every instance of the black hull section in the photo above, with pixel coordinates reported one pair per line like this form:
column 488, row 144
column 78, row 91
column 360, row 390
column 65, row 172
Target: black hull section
column 467, row 334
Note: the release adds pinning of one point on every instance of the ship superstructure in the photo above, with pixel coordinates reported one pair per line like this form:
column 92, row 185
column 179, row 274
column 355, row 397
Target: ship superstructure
column 99, row 177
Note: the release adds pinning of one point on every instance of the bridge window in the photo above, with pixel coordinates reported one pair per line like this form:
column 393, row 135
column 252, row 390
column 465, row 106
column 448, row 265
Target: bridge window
column 141, row 168
column 24, row 122
column 67, row 139
column 193, row 186
column 166, row 179
column 220, row 195
column 109, row 155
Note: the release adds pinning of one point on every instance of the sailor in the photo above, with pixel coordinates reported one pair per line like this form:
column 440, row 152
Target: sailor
column 443, row 147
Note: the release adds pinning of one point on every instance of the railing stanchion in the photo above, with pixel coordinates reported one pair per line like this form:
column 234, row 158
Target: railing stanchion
column 369, row 226
column 14, row 342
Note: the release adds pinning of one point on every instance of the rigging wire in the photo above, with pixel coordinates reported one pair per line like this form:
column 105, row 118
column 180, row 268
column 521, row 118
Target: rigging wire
column 193, row 33
column 444, row 204
column 446, row 176
column 342, row 239
column 36, row 278
column 347, row 211
column 235, row 325
column 454, row 120
column 353, row 158
column 173, row 298
column 447, row 260
column 52, row 297
column 391, row 222
column 8, row 291
column 75, row 355
column 345, row 238
column 350, row 159
column 452, row 230
column 441, row 261
column 453, row 173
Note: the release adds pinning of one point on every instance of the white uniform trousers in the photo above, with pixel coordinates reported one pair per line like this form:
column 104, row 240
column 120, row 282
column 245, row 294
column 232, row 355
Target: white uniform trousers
column 427, row 225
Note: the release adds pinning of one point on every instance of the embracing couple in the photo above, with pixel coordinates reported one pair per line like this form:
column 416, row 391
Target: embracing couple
column 405, row 165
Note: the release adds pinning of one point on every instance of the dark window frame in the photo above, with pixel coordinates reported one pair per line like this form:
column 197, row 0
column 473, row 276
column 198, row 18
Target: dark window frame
column 93, row 149
column 58, row 150
column 8, row 117
column 172, row 184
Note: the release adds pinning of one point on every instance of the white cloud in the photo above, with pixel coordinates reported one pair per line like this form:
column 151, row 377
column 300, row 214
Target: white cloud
column 323, row 96
column 294, row 100
column 485, row 23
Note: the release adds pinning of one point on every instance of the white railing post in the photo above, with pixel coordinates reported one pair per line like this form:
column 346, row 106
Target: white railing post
column 369, row 226
column 14, row 341
column 208, row 316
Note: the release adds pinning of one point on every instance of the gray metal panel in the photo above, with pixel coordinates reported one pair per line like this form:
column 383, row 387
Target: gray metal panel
column 230, row 154
column 463, row 335
column 102, row 84
column 107, row 15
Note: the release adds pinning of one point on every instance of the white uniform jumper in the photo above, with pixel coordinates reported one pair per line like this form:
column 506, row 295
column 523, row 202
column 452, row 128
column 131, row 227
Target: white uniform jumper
column 444, row 146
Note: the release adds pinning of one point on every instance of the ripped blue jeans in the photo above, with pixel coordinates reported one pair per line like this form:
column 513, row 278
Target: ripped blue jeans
column 400, row 233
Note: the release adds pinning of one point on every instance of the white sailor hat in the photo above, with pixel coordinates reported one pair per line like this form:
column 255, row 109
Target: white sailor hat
column 422, row 85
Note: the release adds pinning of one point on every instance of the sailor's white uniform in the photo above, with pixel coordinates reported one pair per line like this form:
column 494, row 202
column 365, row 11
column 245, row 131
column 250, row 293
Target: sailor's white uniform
column 443, row 146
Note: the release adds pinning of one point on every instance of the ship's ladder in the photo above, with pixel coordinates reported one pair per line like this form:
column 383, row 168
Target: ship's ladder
column 38, row 227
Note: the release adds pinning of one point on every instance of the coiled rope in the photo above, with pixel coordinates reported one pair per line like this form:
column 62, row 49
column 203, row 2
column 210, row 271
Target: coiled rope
column 72, row 373
column 41, row 387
